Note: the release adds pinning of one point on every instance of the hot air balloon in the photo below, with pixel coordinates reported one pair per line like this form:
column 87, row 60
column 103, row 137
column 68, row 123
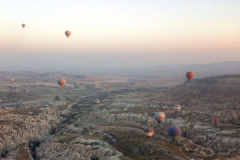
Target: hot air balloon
column 46, row 109
column 20, row 102
column 23, row 25
column 174, row 132
column 61, row 82
column 189, row 76
column 177, row 107
column 68, row 33
column 216, row 121
column 159, row 116
column 97, row 101
column 149, row 132
column 12, row 80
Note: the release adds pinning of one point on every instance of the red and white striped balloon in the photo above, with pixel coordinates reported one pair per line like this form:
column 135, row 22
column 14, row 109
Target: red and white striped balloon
column 189, row 76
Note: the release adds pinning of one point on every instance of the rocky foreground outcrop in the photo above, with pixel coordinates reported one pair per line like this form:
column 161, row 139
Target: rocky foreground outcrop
column 75, row 147
column 106, row 131
column 21, row 126
column 102, row 124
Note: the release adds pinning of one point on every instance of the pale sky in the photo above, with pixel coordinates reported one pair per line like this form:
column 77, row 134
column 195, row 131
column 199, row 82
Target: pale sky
column 118, row 33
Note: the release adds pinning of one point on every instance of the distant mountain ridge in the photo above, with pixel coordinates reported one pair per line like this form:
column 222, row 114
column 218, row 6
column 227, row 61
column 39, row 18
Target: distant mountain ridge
column 223, row 80
column 52, row 76
column 174, row 71
column 179, row 71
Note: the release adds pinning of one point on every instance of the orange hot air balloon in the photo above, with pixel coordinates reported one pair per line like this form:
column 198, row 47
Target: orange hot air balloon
column 189, row 76
column 149, row 132
column 177, row 107
column 23, row 25
column 12, row 80
column 68, row 34
column 61, row 82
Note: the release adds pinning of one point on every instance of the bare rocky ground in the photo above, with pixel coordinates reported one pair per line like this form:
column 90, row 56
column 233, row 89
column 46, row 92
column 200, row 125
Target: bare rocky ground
column 21, row 127
column 80, row 128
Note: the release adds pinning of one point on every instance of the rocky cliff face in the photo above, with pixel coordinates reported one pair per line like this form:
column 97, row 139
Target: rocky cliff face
column 21, row 126
column 75, row 147
column 105, row 125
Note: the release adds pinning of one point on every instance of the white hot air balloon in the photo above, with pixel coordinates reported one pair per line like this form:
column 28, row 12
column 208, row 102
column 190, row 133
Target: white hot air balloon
column 159, row 117
column 97, row 101
column 46, row 109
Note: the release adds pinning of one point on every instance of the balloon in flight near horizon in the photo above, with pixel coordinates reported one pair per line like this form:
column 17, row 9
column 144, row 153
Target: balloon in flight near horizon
column 61, row 82
column 159, row 117
column 12, row 80
column 189, row 75
column 68, row 34
column 23, row 25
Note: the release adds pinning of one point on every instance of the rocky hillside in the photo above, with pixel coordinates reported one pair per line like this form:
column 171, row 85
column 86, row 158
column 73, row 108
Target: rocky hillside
column 22, row 126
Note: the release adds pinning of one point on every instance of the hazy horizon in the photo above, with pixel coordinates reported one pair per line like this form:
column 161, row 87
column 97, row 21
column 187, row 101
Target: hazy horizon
column 118, row 34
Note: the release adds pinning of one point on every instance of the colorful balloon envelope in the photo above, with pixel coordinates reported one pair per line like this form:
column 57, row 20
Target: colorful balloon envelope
column 174, row 132
column 159, row 117
column 12, row 80
column 23, row 25
column 189, row 76
column 216, row 121
column 68, row 34
column 149, row 132
column 61, row 82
